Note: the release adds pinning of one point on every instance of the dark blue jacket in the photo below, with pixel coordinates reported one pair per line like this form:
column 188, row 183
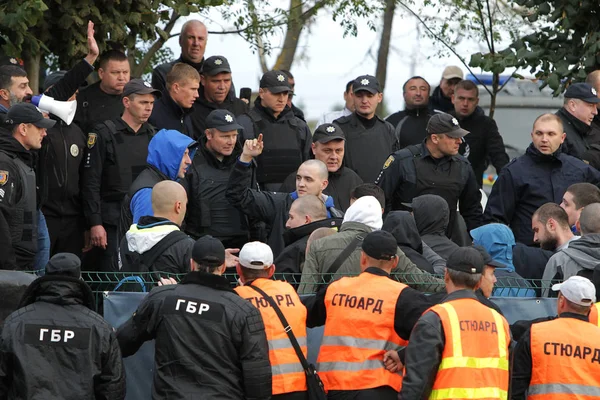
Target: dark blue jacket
column 530, row 181
column 167, row 114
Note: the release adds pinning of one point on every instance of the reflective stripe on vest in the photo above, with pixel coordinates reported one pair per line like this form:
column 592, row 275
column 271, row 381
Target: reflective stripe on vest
column 287, row 371
column 594, row 316
column 565, row 360
column 476, row 337
column 358, row 331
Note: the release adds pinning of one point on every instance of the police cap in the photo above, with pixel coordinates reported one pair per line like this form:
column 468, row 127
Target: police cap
column 215, row 65
column 222, row 120
column 380, row 245
column 442, row 123
column 466, row 259
column 27, row 113
column 582, row 91
column 327, row 132
column 366, row 82
column 139, row 86
column 208, row 251
column 275, row 81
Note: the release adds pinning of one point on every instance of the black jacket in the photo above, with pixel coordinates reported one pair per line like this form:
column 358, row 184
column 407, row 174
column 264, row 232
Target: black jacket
column 483, row 143
column 95, row 106
column 530, row 262
column 577, row 134
column 402, row 225
column 439, row 102
column 159, row 74
column 432, row 216
column 530, row 181
column 271, row 208
column 167, row 114
column 203, row 107
column 220, row 349
column 59, row 307
column 341, row 184
column 410, row 125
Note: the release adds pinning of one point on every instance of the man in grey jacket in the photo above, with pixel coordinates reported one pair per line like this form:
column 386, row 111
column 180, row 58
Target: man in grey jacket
column 582, row 255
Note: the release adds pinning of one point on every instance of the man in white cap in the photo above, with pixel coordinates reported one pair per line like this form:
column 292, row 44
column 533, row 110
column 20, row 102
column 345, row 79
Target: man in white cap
column 441, row 98
column 255, row 268
column 568, row 342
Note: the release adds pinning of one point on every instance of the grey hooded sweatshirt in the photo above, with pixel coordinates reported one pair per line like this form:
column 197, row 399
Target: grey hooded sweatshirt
column 432, row 216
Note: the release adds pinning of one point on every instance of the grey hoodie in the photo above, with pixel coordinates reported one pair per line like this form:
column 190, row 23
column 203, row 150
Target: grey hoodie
column 432, row 216
column 581, row 254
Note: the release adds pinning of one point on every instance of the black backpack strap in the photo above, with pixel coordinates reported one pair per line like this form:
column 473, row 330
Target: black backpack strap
column 337, row 263
column 149, row 257
column 414, row 150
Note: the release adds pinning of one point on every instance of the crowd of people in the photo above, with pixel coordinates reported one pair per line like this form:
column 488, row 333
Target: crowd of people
column 363, row 216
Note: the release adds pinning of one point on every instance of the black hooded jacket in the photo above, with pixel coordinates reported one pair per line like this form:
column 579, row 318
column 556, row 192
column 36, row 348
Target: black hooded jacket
column 402, row 225
column 75, row 350
column 410, row 125
column 576, row 143
column 438, row 102
column 432, row 217
column 167, row 114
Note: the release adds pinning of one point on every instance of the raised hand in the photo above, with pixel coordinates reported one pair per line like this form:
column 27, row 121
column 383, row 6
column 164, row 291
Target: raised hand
column 252, row 148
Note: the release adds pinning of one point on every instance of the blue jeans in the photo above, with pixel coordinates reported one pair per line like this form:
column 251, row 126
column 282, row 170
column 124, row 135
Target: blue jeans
column 43, row 244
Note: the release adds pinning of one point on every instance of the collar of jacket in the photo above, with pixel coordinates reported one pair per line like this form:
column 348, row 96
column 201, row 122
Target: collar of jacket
column 213, row 281
column 61, row 290
column 11, row 145
column 268, row 113
column 292, row 235
column 197, row 66
column 123, row 127
column 581, row 127
column 426, row 153
column 147, row 221
column 419, row 112
column 376, row 271
column 537, row 155
column 214, row 162
column 355, row 226
column 575, row 316
column 173, row 106
column 460, row 294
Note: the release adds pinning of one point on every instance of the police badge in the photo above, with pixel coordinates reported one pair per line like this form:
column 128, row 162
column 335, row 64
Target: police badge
column 91, row 140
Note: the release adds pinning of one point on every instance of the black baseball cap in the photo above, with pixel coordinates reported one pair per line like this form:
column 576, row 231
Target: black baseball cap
column 327, row 132
column 582, row 91
column 208, row 251
column 380, row 245
column 64, row 264
column 466, row 259
column 27, row 113
column 139, row 86
column 366, row 82
column 215, row 65
column 275, row 81
column 222, row 120
column 442, row 123
column 487, row 259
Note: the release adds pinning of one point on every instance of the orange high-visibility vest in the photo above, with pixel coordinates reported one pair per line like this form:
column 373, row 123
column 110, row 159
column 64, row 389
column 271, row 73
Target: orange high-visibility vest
column 474, row 362
column 565, row 359
column 288, row 374
column 358, row 331
column 594, row 315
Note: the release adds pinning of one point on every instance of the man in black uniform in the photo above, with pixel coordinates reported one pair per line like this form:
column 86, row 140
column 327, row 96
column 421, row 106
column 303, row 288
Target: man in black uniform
column 102, row 100
column 192, row 40
column 483, row 142
column 25, row 128
column 220, row 349
column 434, row 167
column 411, row 123
column 215, row 93
column 209, row 212
column 56, row 336
column 328, row 146
column 287, row 138
column 369, row 139
column 116, row 154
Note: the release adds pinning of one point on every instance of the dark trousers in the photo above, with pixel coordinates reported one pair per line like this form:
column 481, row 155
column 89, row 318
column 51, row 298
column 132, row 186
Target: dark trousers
column 291, row 396
column 66, row 234
column 378, row 393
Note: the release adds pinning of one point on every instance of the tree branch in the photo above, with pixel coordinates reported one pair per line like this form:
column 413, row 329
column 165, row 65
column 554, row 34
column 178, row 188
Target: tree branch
column 482, row 19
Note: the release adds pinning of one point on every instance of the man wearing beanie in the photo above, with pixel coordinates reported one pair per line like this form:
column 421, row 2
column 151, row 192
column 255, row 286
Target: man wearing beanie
column 210, row 343
column 56, row 346
column 364, row 317
column 255, row 268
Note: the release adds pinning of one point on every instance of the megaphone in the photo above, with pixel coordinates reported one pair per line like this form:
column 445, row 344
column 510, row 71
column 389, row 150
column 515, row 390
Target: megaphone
column 64, row 110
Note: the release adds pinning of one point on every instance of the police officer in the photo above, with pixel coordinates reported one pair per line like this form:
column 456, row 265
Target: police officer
column 369, row 139
column 286, row 137
column 215, row 93
column 209, row 211
column 116, row 153
column 220, row 350
column 568, row 341
column 55, row 346
column 434, row 167
column 255, row 269
column 102, row 100
column 364, row 317
column 459, row 348
column 25, row 128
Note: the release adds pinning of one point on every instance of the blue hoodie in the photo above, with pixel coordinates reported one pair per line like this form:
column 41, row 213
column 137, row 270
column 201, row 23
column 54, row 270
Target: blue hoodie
column 165, row 151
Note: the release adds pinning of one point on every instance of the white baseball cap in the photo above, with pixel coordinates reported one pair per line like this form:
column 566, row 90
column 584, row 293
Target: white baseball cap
column 256, row 255
column 578, row 290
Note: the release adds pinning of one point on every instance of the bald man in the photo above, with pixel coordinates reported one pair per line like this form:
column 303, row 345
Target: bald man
column 192, row 40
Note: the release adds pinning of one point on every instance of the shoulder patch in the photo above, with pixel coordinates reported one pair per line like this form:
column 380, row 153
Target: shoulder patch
column 3, row 177
column 388, row 162
column 91, row 140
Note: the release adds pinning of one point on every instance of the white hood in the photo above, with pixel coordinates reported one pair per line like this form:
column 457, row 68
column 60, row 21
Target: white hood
column 142, row 240
column 365, row 210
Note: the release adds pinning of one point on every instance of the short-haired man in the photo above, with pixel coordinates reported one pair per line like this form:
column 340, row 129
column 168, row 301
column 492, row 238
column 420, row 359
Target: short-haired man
column 483, row 142
column 578, row 196
column 456, row 336
column 192, row 40
column 348, row 109
column 173, row 110
column 116, row 153
column 255, row 269
column 434, row 167
column 550, row 226
column 102, row 100
column 14, row 87
column 569, row 341
column 209, row 212
column 369, row 139
column 541, row 175
column 577, row 114
column 215, row 93
column 441, row 98
column 410, row 124
column 220, row 349
column 329, row 142
column 273, row 208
